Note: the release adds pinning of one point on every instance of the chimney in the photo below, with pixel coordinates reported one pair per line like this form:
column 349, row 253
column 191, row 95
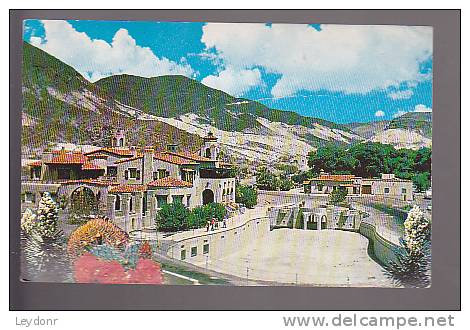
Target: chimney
column 147, row 165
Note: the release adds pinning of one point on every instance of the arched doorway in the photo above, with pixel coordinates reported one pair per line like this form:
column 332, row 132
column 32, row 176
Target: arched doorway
column 207, row 196
column 83, row 202
column 323, row 222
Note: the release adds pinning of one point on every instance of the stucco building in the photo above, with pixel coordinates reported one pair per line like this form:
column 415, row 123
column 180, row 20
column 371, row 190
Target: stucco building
column 129, row 184
column 387, row 185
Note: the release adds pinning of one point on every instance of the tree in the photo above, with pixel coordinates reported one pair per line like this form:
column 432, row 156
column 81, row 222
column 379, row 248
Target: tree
column 285, row 184
column 172, row 217
column 413, row 259
column 338, row 197
column 47, row 217
column 266, row 180
column 422, row 181
column 28, row 221
column 332, row 159
column 246, row 195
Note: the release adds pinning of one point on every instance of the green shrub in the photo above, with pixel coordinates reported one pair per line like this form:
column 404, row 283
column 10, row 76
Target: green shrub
column 246, row 195
column 285, row 184
column 299, row 221
column 172, row 217
column 338, row 197
column 175, row 216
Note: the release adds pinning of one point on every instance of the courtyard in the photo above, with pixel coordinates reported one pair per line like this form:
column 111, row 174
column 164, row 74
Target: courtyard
column 304, row 257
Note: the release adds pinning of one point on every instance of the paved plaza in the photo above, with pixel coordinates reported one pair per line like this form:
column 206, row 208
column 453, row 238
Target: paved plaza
column 309, row 257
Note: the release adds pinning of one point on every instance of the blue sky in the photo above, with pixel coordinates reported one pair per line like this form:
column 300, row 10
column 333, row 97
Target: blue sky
column 335, row 72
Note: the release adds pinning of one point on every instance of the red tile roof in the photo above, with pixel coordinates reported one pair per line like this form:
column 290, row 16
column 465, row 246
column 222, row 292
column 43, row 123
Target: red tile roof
column 116, row 151
column 173, row 158
column 91, row 167
column 73, row 158
column 36, row 163
column 169, row 182
column 334, row 177
column 88, row 181
column 128, row 160
column 128, row 188
column 98, row 155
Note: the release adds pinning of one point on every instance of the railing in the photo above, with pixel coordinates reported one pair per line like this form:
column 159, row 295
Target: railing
column 216, row 173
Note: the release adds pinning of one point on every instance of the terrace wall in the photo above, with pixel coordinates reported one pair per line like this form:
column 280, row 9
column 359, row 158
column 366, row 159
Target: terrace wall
column 384, row 250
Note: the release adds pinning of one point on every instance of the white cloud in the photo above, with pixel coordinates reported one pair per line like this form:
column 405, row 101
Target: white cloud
column 401, row 95
column 95, row 58
column 340, row 58
column 379, row 113
column 234, row 82
column 422, row 108
column 418, row 108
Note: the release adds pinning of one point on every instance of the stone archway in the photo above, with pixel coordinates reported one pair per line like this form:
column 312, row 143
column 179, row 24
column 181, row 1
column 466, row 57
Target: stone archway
column 207, row 196
column 83, row 200
column 323, row 222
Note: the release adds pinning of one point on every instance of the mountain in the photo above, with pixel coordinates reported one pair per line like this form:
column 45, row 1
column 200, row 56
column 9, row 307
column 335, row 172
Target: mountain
column 420, row 122
column 411, row 130
column 61, row 106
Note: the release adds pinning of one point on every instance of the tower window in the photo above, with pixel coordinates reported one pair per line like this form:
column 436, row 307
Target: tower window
column 117, row 204
column 208, row 153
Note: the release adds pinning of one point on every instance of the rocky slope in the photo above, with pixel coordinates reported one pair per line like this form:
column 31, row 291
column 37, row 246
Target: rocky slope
column 60, row 107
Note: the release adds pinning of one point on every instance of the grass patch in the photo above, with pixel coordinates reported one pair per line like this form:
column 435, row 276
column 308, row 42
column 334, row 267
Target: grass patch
column 398, row 214
column 202, row 278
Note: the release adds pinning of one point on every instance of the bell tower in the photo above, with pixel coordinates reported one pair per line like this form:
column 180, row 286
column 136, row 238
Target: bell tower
column 119, row 139
column 210, row 148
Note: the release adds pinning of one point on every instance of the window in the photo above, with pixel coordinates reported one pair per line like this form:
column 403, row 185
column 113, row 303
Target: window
column 208, row 153
column 131, row 204
column 35, row 173
column 386, row 190
column 126, row 175
column 30, row 197
column 403, row 190
column 183, row 254
column 188, row 198
column 133, row 173
column 111, row 171
column 161, row 200
column 155, row 175
column 205, row 249
column 194, row 251
column 144, row 203
column 162, row 173
column 117, row 203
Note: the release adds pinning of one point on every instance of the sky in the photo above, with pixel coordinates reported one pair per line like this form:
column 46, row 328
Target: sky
column 341, row 73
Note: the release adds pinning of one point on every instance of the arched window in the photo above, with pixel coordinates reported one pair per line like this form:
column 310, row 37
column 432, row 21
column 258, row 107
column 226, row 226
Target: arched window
column 117, row 203
column 121, row 142
column 208, row 153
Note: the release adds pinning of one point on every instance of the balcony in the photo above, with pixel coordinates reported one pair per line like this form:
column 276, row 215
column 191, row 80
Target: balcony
column 216, row 173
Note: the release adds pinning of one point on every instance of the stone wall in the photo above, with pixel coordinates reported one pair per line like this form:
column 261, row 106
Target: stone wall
column 384, row 250
column 215, row 244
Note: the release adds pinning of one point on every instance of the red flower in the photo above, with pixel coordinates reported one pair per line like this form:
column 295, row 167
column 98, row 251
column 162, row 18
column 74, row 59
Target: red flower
column 90, row 269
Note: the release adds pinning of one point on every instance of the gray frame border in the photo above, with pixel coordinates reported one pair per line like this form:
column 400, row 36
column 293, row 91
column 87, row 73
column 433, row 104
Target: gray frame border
column 445, row 293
